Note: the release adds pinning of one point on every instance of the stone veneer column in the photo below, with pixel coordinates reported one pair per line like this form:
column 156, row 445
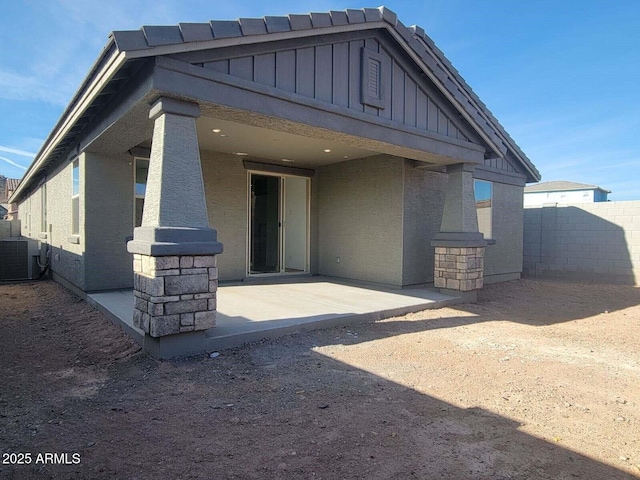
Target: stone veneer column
column 459, row 268
column 459, row 247
column 174, row 263
column 174, row 294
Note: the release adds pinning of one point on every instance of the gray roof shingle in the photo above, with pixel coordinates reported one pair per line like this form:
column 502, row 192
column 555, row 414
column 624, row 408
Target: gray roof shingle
column 225, row 28
column 196, row 32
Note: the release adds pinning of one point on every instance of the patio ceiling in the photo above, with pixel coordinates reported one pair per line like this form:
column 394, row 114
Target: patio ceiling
column 279, row 147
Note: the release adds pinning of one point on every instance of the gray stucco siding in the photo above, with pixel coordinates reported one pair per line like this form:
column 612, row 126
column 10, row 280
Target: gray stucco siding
column 108, row 221
column 67, row 258
column 225, row 183
column 505, row 257
column 424, row 196
column 360, row 219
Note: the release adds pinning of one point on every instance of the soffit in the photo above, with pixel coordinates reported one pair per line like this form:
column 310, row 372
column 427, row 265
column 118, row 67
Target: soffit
column 263, row 143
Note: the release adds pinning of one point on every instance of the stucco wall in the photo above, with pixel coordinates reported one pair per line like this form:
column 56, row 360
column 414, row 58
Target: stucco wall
column 424, row 196
column 109, row 221
column 588, row 241
column 503, row 260
column 68, row 259
column 360, row 219
column 225, row 183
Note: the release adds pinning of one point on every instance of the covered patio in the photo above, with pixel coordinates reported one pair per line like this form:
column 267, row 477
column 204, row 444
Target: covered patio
column 249, row 312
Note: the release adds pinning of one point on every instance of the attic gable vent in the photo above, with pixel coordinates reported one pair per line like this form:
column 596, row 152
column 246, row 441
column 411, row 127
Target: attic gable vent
column 374, row 78
column 372, row 87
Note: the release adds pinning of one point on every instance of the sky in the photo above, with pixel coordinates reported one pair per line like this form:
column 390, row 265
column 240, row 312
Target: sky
column 561, row 76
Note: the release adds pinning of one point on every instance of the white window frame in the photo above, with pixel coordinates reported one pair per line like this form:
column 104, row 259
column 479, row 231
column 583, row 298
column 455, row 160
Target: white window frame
column 29, row 215
column 75, row 198
column 489, row 234
column 43, row 209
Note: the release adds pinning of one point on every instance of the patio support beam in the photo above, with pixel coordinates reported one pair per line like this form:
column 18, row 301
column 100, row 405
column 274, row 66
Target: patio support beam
column 459, row 246
column 174, row 262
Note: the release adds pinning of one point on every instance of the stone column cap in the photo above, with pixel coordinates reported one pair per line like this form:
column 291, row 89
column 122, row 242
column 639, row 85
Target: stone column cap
column 165, row 241
column 459, row 239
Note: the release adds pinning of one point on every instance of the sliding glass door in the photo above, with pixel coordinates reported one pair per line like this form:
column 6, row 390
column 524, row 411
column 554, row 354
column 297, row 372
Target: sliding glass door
column 278, row 224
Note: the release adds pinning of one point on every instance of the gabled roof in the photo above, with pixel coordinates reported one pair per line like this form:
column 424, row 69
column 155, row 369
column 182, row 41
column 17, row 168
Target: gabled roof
column 124, row 48
column 561, row 186
column 161, row 39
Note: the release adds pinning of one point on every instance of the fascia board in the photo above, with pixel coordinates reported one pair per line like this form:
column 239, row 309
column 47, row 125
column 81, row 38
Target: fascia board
column 68, row 121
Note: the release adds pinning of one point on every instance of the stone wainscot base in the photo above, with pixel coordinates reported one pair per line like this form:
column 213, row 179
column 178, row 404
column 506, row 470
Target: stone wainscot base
column 174, row 294
column 459, row 268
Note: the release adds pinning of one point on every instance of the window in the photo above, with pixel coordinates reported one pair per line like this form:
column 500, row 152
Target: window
column 484, row 199
column 75, row 199
column 29, row 215
column 141, row 173
column 43, row 209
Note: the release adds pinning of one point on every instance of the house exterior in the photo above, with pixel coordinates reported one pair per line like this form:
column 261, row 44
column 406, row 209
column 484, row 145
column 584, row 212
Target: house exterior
column 563, row 192
column 7, row 187
column 341, row 143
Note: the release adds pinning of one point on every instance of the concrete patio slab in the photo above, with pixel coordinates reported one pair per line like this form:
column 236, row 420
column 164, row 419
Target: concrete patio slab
column 252, row 312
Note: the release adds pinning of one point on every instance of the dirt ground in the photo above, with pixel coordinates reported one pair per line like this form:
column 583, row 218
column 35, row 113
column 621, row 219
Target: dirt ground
column 538, row 380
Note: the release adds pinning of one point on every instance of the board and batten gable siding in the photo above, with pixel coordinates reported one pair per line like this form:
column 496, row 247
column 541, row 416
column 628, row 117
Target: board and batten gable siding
column 506, row 164
column 330, row 70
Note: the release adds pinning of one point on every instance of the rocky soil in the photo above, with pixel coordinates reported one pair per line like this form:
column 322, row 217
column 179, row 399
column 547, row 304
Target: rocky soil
column 538, row 380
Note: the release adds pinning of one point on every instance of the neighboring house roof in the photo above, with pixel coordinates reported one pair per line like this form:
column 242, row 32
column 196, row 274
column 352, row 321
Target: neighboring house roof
column 561, row 186
column 7, row 185
column 124, row 51
column 12, row 184
column 4, row 209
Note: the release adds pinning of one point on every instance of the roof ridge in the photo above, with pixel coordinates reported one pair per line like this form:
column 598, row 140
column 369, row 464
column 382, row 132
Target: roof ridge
column 159, row 35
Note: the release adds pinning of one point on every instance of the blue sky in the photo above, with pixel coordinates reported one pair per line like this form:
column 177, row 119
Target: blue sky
column 563, row 77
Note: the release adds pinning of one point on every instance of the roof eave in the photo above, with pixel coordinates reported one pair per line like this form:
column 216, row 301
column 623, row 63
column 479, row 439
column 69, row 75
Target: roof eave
column 89, row 87
column 123, row 46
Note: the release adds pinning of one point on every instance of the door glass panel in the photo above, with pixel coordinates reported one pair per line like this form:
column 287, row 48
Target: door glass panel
column 295, row 224
column 265, row 224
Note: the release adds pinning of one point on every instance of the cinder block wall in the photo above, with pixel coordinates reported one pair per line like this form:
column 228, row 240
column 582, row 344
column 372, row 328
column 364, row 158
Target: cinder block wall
column 590, row 241
column 10, row 228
